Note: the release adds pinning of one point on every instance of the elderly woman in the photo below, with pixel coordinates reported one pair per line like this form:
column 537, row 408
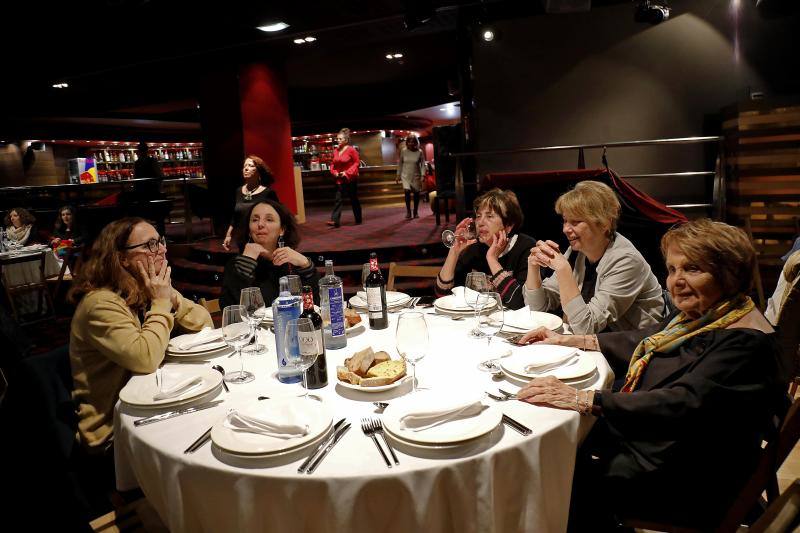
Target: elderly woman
column 678, row 440
column 500, row 251
column 19, row 225
column 257, row 181
column 268, row 255
column 602, row 282
column 126, row 312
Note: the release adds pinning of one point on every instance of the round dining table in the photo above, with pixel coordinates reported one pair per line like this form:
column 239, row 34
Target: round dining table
column 501, row 482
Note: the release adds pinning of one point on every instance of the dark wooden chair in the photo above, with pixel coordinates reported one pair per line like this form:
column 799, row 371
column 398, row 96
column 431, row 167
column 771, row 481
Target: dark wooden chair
column 37, row 285
column 409, row 271
column 782, row 515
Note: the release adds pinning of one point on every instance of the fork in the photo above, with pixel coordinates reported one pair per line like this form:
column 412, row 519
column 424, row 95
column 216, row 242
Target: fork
column 377, row 427
column 366, row 427
column 508, row 395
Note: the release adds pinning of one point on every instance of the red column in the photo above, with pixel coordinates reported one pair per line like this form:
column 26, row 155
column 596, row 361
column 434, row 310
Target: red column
column 266, row 128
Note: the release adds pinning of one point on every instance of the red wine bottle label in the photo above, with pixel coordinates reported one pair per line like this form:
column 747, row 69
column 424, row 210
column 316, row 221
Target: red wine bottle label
column 374, row 303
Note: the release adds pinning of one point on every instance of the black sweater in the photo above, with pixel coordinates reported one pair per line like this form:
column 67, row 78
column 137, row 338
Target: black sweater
column 243, row 271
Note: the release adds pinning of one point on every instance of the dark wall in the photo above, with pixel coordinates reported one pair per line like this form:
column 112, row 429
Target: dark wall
column 601, row 77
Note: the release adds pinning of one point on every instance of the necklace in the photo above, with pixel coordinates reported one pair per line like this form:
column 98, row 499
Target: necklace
column 248, row 193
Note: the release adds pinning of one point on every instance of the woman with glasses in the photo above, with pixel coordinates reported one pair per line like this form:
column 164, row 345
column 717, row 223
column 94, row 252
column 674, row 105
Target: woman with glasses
column 126, row 312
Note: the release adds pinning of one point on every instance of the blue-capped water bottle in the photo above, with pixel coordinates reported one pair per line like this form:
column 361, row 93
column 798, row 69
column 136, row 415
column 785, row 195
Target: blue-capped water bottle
column 331, row 301
column 285, row 308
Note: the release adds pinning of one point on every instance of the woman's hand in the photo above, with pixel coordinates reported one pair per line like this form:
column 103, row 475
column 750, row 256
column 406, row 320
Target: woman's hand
column 158, row 284
column 461, row 244
column 547, row 254
column 254, row 251
column 55, row 241
column 549, row 392
column 497, row 246
column 226, row 243
column 543, row 335
column 284, row 255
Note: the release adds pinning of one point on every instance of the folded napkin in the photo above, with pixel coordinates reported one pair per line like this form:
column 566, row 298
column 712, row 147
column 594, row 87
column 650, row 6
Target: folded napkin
column 541, row 369
column 281, row 425
column 519, row 318
column 204, row 336
column 543, row 356
column 184, row 386
column 392, row 297
column 422, row 417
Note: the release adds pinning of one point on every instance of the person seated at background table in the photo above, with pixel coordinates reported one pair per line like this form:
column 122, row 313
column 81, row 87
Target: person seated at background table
column 602, row 282
column 19, row 226
column 786, row 279
column 262, row 261
column 67, row 227
column 500, row 251
column 679, row 439
column 126, row 311
column 258, row 179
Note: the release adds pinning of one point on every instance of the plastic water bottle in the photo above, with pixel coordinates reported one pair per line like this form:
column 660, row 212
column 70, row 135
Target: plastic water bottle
column 285, row 308
column 331, row 299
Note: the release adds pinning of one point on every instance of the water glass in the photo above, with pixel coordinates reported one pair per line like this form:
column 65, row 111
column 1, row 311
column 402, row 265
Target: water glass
column 295, row 285
column 255, row 311
column 478, row 283
column 236, row 334
column 412, row 340
column 490, row 322
column 301, row 346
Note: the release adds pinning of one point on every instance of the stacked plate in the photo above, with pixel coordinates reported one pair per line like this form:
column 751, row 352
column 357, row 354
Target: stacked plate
column 454, row 305
column 394, row 300
column 140, row 390
column 570, row 365
column 316, row 416
column 210, row 349
column 452, row 432
column 522, row 320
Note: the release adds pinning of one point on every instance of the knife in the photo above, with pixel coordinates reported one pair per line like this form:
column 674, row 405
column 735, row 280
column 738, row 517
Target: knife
column 517, row 426
column 321, row 445
column 171, row 414
column 337, row 437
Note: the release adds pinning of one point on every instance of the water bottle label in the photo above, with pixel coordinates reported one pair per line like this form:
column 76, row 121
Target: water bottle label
column 337, row 311
column 374, row 300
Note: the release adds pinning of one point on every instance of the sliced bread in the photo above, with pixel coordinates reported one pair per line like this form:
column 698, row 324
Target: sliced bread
column 391, row 370
column 361, row 361
column 344, row 374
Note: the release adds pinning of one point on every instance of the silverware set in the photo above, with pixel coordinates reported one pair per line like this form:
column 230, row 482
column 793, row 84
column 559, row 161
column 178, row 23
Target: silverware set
column 412, row 303
column 371, row 426
column 173, row 414
column 321, row 451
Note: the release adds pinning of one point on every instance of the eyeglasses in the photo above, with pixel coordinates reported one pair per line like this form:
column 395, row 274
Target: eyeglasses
column 152, row 244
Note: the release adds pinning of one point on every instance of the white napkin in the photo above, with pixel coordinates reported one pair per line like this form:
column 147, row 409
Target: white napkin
column 519, row 318
column 540, row 369
column 281, row 425
column 422, row 417
column 392, row 297
column 547, row 356
column 204, row 336
column 184, row 386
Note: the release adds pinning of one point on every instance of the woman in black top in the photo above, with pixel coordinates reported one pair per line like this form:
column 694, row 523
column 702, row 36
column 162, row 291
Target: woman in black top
column 262, row 260
column 499, row 251
column 257, row 181
column 67, row 227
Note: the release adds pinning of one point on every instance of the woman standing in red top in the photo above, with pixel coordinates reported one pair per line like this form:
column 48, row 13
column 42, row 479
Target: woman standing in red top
column 345, row 173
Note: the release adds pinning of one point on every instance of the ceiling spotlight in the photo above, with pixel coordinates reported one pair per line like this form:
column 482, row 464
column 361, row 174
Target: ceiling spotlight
column 310, row 39
column 487, row 35
column 389, row 56
column 275, row 26
column 652, row 11
column 61, row 85
column 299, row 41
column 397, row 56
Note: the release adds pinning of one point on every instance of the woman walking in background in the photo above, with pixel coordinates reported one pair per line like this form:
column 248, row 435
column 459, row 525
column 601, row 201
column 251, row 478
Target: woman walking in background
column 344, row 170
column 410, row 170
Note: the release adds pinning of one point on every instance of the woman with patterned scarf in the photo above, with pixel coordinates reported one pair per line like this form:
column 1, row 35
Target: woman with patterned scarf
column 679, row 438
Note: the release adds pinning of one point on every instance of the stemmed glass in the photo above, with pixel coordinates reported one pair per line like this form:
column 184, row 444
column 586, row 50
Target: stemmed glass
column 449, row 237
column 236, row 333
column 412, row 340
column 301, row 346
column 295, row 284
column 478, row 283
column 365, row 270
column 255, row 311
column 490, row 322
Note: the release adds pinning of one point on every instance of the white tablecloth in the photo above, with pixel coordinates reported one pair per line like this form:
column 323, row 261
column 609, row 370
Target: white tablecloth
column 28, row 272
column 505, row 482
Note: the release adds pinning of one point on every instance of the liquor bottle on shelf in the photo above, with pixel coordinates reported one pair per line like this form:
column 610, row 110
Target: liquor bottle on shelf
column 285, row 308
column 317, row 375
column 376, row 295
column 331, row 299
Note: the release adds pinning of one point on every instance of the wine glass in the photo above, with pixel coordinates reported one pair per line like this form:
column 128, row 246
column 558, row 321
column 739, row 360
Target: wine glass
column 295, row 284
column 236, row 334
column 490, row 322
column 449, row 237
column 301, row 346
column 255, row 311
column 365, row 270
column 477, row 282
column 412, row 340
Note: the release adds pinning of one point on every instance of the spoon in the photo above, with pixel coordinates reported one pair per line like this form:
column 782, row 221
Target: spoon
column 222, row 371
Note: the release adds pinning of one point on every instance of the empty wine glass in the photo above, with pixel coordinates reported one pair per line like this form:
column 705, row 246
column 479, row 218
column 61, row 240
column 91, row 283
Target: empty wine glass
column 490, row 322
column 474, row 284
column 295, row 284
column 412, row 340
column 302, row 346
column 255, row 311
column 365, row 270
column 236, row 334
column 449, row 237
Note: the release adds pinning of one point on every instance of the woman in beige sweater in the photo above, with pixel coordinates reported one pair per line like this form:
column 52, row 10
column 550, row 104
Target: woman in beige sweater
column 127, row 310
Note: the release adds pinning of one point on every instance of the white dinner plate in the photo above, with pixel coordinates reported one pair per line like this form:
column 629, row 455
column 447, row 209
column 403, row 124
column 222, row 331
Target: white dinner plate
column 454, row 431
column 139, row 390
column 193, row 356
column 583, row 382
column 393, row 299
column 380, row 388
column 272, row 455
column 580, row 367
column 203, row 348
column 524, row 320
column 453, row 304
column 317, row 415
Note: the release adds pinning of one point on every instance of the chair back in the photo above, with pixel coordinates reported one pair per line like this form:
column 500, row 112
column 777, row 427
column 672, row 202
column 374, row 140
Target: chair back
column 788, row 327
column 212, row 306
column 409, row 271
column 783, row 514
column 27, row 283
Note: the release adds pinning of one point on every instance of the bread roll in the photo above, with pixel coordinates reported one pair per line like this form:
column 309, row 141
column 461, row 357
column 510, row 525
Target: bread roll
column 388, row 370
column 361, row 361
column 380, row 357
column 345, row 375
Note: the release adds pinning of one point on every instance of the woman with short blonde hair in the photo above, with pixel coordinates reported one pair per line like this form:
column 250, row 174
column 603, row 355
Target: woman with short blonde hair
column 602, row 282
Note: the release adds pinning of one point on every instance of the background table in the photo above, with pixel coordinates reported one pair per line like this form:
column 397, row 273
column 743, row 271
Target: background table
column 503, row 482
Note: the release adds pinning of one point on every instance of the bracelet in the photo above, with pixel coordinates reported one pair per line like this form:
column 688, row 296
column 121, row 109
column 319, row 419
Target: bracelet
column 443, row 282
column 494, row 276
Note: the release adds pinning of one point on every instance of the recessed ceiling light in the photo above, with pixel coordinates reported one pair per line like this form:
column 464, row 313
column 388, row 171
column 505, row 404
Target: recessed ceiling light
column 276, row 26
column 488, row 35
column 60, row 85
column 389, row 56
column 397, row 56
column 299, row 41
column 310, row 39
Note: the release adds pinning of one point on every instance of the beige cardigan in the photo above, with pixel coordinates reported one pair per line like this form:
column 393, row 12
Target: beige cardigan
column 108, row 343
